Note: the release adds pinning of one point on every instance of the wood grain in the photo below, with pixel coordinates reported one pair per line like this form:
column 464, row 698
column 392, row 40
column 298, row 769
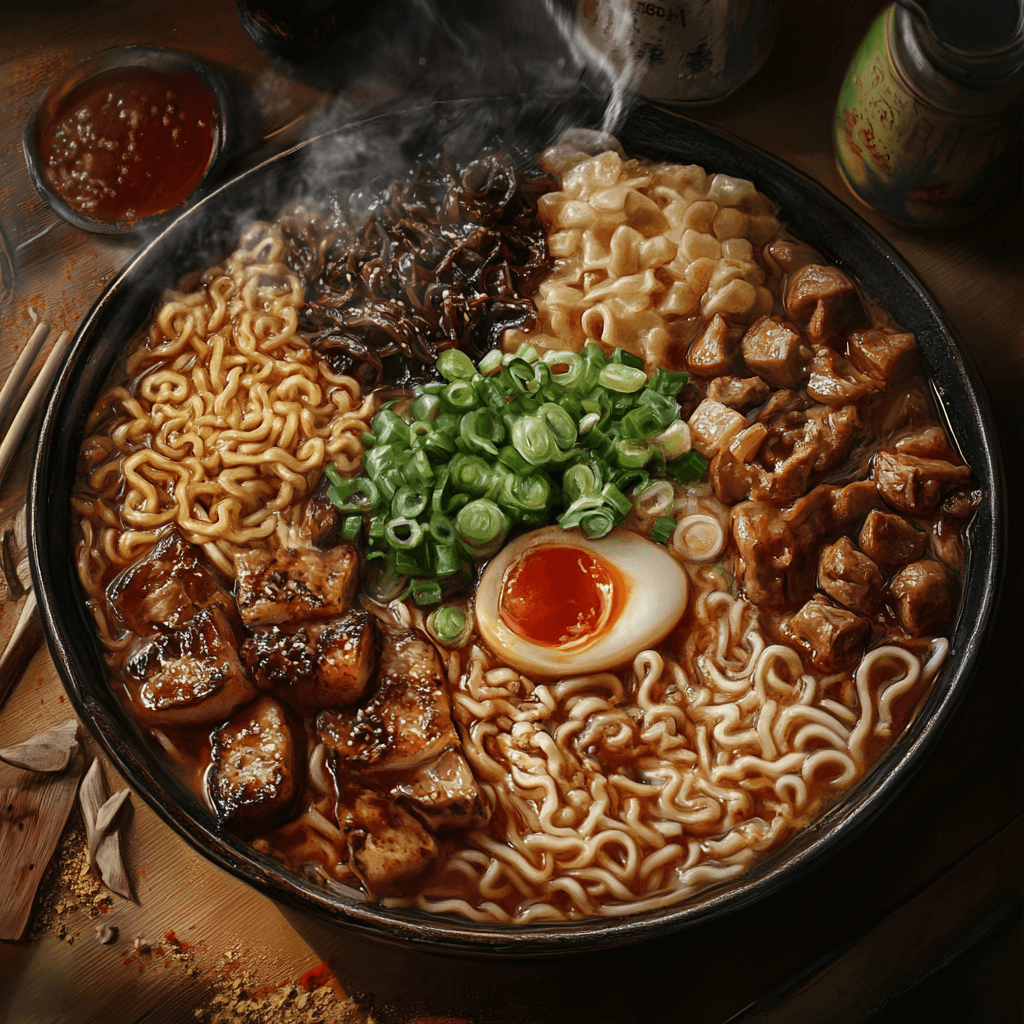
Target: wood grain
column 34, row 809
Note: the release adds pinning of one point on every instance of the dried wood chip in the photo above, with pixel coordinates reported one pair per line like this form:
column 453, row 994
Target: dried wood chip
column 106, row 934
column 103, row 835
column 48, row 751
column 33, row 813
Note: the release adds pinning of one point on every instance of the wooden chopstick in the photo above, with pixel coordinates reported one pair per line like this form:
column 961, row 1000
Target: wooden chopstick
column 21, row 646
column 13, row 389
column 11, row 443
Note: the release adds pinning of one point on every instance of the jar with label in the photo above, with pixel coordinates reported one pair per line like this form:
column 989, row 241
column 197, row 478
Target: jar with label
column 689, row 53
column 929, row 116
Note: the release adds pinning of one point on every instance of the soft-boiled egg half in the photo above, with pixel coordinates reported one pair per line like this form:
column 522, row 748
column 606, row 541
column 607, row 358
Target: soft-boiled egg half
column 553, row 602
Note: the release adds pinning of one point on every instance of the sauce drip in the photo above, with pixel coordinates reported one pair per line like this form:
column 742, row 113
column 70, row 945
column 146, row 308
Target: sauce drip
column 130, row 143
column 557, row 595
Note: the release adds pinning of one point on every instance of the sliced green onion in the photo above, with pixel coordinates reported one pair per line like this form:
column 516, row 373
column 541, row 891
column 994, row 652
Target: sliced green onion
column 655, row 500
column 663, row 529
column 454, row 364
column 689, row 469
column 674, row 440
column 460, row 394
column 481, row 527
column 482, row 430
column 351, row 527
column 469, row 473
column 408, row 502
column 449, row 626
column 425, row 408
column 403, row 534
column 417, row 469
column 490, row 362
column 442, row 529
column 620, row 355
column 426, row 592
column 448, row 559
column 620, row 378
column 667, row 382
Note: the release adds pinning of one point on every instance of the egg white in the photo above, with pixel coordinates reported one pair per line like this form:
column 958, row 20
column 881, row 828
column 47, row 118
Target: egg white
column 656, row 592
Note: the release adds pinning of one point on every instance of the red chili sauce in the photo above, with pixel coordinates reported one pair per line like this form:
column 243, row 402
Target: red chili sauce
column 130, row 143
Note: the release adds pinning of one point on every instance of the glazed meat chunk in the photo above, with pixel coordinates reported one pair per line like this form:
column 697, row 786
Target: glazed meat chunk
column 833, row 637
column 884, row 355
column 779, row 548
column 165, row 588
column 915, row 485
column 389, row 850
column 188, row 676
column 776, row 352
column 316, row 666
column 739, row 393
column 256, row 768
column 824, row 298
column 889, row 540
column 836, row 381
column 716, row 350
column 923, row 594
column 444, row 793
column 295, row 586
column 405, row 723
column 850, row 577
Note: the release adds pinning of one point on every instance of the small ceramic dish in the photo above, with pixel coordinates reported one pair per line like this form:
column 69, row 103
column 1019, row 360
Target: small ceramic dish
column 153, row 65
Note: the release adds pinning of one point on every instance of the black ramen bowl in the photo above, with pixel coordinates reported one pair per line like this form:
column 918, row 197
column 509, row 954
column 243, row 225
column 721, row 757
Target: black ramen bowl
column 124, row 58
column 373, row 150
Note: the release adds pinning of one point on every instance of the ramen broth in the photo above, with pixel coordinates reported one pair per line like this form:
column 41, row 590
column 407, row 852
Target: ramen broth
column 807, row 576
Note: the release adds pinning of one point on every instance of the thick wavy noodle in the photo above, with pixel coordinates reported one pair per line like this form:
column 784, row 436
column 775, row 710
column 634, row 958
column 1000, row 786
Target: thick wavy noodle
column 225, row 423
column 614, row 794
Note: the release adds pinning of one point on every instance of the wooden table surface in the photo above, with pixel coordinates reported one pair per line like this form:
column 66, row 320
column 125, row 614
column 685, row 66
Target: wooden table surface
column 920, row 919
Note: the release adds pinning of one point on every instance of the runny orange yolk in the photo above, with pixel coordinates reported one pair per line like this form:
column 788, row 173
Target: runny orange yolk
column 554, row 595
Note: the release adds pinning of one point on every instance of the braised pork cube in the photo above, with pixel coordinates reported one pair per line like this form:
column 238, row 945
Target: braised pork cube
column 927, row 443
column 165, row 588
column 190, row 675
column 923, row 595
column 833, row 637
column 823, row 298
column 407, row 721
column 834, row 380
column 889, row 540
column 716, row 349
column 316, row 666
column 739, row 393
column 444, row 793
column 915, row 485
column 389, row 849
column 791, row 256
column 775, row 351
column 713, row 426
column 257, row 768
column 322, row 521
column 849, row 577
column 779, row 548
column 884, row 355
column 295, row 586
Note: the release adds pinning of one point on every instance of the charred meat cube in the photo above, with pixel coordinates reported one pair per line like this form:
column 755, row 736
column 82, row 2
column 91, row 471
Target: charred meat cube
column 165, row 588
column 405, row 723
column 849, row 577
column 833, row 637
column 322, row 521
column 915, row 485
column 316, row 666
column 889, row 540
column 190, row 675
column 739, row 393
column 389, row 849
column 775, row 351
column 716, row 350
column 295, row 586
column 444, row 793
column 257, row 768
column 884, row 355
column 923, row 595
column 929, row 443
column 824, row 298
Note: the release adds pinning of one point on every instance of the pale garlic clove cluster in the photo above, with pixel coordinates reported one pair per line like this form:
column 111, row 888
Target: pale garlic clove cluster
column 643, row 250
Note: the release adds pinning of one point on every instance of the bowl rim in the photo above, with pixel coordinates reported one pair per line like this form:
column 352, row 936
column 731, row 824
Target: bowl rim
column 960, row 398
column 157, row 58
